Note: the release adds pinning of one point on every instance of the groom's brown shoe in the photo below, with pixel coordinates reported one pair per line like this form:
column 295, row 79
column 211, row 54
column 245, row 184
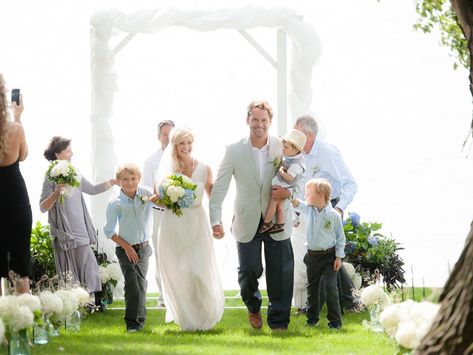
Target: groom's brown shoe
column 255, row 319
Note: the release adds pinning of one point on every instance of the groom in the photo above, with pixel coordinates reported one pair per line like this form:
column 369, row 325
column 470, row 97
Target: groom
column 251, row 161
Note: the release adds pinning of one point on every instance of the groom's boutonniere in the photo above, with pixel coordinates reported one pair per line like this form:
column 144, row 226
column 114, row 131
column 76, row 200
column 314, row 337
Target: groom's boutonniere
column 315, row 169
column 328, row 225
column 143, row 199
column 276, row 162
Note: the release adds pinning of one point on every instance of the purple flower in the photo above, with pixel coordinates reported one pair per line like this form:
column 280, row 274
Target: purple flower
column 355, row 219
column 350, row 247
column 373, row 240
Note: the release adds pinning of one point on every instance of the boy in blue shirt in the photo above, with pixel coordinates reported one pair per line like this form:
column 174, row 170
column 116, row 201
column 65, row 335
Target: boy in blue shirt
column 132, row 211
column 325, row 241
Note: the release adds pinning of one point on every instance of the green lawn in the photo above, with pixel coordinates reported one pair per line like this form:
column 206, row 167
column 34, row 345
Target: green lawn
column 104, row 333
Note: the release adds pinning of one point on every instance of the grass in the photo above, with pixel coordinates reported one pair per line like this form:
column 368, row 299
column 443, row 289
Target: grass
column 104, row 333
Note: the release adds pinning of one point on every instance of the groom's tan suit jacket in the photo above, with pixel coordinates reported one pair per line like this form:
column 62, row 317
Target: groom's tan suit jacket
column 252, row 194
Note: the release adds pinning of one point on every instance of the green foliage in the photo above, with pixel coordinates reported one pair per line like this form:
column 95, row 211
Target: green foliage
column 371, row 252
column 42, row 253
column 438, row 15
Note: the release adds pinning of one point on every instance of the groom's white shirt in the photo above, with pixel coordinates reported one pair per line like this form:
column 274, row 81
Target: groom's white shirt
column 253, row 190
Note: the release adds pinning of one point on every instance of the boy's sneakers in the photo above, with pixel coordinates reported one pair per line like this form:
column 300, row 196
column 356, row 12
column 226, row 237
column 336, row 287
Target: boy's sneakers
column 334, row 326
column 132, row 330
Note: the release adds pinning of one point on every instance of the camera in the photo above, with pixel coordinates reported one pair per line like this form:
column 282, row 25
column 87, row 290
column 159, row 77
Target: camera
column 15, row 96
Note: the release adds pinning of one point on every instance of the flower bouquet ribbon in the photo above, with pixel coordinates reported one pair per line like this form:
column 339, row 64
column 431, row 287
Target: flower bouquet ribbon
column 177, row 192
column 62, row 172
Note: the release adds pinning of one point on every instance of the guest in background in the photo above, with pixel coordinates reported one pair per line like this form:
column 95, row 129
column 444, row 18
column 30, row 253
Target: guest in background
column 15, row 208
column 148, row 180
column 70, row 223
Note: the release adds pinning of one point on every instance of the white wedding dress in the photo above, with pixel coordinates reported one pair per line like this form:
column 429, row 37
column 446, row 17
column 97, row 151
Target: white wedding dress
column 191, row 284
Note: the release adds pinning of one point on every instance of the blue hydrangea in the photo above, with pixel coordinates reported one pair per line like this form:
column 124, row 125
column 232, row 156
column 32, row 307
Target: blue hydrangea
column 161, row 191
column 187, row 200
column 373, row 240
column 355, row 219
column 350, row 247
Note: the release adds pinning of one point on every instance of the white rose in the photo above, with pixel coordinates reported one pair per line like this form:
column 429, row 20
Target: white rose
column 175, row 192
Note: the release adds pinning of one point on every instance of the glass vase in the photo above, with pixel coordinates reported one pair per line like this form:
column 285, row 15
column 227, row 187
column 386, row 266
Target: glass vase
column 73, row 321
column 107, row 292
column 40, row 334
column 53, row 329
column 17, row 345
column 375, row 324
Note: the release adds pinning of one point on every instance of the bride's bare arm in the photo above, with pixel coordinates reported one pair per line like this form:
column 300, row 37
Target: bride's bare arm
column 210, row 181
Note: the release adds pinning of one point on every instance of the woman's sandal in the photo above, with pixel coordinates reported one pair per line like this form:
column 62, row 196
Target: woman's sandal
column 265, row 227
column 277, row 228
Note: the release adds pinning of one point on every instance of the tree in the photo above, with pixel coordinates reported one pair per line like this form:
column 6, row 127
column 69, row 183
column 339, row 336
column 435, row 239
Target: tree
column 452, row 329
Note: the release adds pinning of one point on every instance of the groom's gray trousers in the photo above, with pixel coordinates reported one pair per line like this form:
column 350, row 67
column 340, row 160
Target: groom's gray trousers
column 279, row 260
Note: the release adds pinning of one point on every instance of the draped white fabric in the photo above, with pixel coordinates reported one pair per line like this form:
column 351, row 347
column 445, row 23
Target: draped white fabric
column 306, row 50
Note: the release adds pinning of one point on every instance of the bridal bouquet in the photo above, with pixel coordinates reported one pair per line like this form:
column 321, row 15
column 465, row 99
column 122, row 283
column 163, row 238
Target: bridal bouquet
column 177, row 192
column 62, row 172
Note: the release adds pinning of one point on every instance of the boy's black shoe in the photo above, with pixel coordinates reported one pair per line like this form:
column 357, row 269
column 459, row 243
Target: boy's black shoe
column 312, row 322
column 334, row 325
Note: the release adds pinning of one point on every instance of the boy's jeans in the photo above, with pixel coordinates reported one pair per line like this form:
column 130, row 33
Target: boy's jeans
column 135, row 285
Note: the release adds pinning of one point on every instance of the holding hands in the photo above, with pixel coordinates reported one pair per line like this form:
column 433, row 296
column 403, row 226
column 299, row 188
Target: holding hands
column 218, row 232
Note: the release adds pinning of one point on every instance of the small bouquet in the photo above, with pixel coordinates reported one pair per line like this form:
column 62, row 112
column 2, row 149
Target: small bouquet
column 62, row 172
column 177, row 192
column 110, row 274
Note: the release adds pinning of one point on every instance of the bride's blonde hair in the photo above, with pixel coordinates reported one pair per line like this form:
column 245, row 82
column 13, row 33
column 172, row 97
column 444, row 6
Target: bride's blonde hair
column 177, row 136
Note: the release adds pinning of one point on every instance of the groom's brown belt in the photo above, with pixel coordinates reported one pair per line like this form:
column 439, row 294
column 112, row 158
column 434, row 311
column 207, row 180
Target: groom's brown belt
column 321, row 252
column 140, row 245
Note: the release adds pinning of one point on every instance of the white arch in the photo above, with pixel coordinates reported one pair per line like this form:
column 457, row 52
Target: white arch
column 306, row 50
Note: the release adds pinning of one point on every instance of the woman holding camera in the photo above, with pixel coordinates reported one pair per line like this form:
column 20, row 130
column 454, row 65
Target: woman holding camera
column 15, row 208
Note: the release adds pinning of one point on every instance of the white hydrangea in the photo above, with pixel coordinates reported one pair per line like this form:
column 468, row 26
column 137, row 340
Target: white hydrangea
column 31, row 301
column 23, row 318
column 391, row 317
column 374, row 294
column 357, row 280
column 104, row 277
column 2, row 331
column 50, row 303
column 81, row 295
column 406, row 335
column 69, row 302
column 114, row 271
column 350, row 269
column 175, row 192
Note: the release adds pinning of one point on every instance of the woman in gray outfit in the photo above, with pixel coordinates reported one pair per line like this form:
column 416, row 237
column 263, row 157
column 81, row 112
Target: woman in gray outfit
column 70, row 223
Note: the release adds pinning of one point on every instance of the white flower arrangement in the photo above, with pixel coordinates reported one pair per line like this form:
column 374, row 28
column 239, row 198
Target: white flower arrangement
column 374, row 295
column 15, row 316
column 2, row 331
column 110, row 272
column 81, row 295
column 50, row 303
column 69, row 303
column 31, row 301
column 408, row 322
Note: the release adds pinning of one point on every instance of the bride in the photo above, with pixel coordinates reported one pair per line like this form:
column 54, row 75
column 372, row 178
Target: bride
column 191, row 284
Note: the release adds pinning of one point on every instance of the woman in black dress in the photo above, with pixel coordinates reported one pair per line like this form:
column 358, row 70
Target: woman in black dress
column 15, row 209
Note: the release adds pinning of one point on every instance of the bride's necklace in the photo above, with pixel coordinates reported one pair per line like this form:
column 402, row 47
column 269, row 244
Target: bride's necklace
column 187, row 169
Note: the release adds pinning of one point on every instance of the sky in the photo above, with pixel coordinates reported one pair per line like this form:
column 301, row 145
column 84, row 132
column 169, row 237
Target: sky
column 386, row 96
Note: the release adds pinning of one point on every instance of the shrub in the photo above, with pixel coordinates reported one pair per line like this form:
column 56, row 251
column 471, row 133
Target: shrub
column 42, row 253
column 372, row 253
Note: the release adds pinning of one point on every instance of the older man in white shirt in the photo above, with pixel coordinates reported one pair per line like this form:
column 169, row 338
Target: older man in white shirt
column 322, row 160
column 148, row 180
